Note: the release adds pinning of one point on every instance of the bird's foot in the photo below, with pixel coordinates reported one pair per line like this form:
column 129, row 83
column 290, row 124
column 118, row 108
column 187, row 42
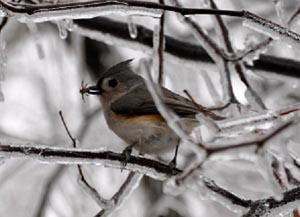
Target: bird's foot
column 127, row 154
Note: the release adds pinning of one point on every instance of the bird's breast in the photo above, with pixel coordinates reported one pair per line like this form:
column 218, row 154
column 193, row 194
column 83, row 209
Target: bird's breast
column 149, row 133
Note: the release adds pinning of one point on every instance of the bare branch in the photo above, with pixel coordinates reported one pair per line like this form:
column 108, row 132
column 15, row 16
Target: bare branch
column 73, row 156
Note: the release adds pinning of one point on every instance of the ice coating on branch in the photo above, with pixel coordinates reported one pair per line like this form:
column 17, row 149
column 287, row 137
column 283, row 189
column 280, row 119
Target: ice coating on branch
column 208, row 128
column 86, row 12
column 271, row 29
column 207, row 189
column 130, row 184
column 37, row 152
column 246, row 123
column 133, row 32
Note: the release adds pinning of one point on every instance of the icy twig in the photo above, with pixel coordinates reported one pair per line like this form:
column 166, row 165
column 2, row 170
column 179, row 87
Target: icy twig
column 238, row 66
column 90, row 9
column 270, row 28
column 82, row 180
column 260, row 47
column 214, row 51
column 67, row 129
column 108, row 206
column 130, row 184
column 133, row 32
column 161, row 46
column 273, row 207
column 72, row 156
column 208, row 189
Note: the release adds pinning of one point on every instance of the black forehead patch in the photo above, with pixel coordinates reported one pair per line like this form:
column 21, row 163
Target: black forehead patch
column 125, row 65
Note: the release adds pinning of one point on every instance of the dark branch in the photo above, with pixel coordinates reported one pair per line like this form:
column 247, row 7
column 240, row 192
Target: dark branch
column 34, row 9
column 74, row 156
column 184, row 50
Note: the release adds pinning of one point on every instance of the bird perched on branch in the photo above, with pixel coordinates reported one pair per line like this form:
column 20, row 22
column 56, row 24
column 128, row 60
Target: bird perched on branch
column 131, row 113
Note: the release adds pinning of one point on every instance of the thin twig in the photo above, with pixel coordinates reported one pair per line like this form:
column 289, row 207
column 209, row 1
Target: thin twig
column 161, row 45
column 215, row 52
column 238, row 67
column 67, row 130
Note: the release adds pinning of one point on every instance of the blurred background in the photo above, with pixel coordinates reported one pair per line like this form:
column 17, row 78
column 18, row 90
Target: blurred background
column 44, row 66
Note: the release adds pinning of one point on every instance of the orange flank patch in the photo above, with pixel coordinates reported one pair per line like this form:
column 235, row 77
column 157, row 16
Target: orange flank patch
column 139, row 118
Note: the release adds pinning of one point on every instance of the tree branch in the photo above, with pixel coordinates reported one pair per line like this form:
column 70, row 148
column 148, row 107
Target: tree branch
column 110, row 31
column 73, row 156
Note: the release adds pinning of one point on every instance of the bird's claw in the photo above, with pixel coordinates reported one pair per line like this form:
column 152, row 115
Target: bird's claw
column 127, row 154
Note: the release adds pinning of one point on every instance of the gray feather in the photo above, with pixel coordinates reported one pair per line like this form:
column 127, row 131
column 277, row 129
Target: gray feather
column 140, row 102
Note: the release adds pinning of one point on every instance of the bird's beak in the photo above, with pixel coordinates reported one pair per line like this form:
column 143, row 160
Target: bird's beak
column 94, row 90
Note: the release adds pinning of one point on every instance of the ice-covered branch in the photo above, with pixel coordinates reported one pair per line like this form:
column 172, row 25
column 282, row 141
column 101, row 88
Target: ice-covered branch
column 238, row 67
column 214, row 51
column 129, row 185
column 272, row 207
column 73, row 156
column 90, row 9
column 116, row 33
column 271, row 29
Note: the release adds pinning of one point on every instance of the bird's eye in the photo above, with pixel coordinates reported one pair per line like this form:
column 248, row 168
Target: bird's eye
column 112, row 83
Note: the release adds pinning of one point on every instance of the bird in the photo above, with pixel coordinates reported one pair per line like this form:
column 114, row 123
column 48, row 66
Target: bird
column 130, row 111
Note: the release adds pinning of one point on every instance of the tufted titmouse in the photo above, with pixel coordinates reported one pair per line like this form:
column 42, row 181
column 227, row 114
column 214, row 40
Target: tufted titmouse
column 130, row 111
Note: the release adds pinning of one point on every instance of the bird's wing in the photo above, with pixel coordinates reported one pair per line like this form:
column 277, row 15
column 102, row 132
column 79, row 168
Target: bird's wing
column 140, row 102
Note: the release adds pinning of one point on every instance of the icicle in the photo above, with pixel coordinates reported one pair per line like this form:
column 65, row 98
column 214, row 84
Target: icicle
column 62, row 29
column 37, row 39
column 271, row 29
column 133, row 32
column 69, row 24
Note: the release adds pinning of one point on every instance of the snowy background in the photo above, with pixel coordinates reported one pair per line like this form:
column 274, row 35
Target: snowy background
column 43, row 65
